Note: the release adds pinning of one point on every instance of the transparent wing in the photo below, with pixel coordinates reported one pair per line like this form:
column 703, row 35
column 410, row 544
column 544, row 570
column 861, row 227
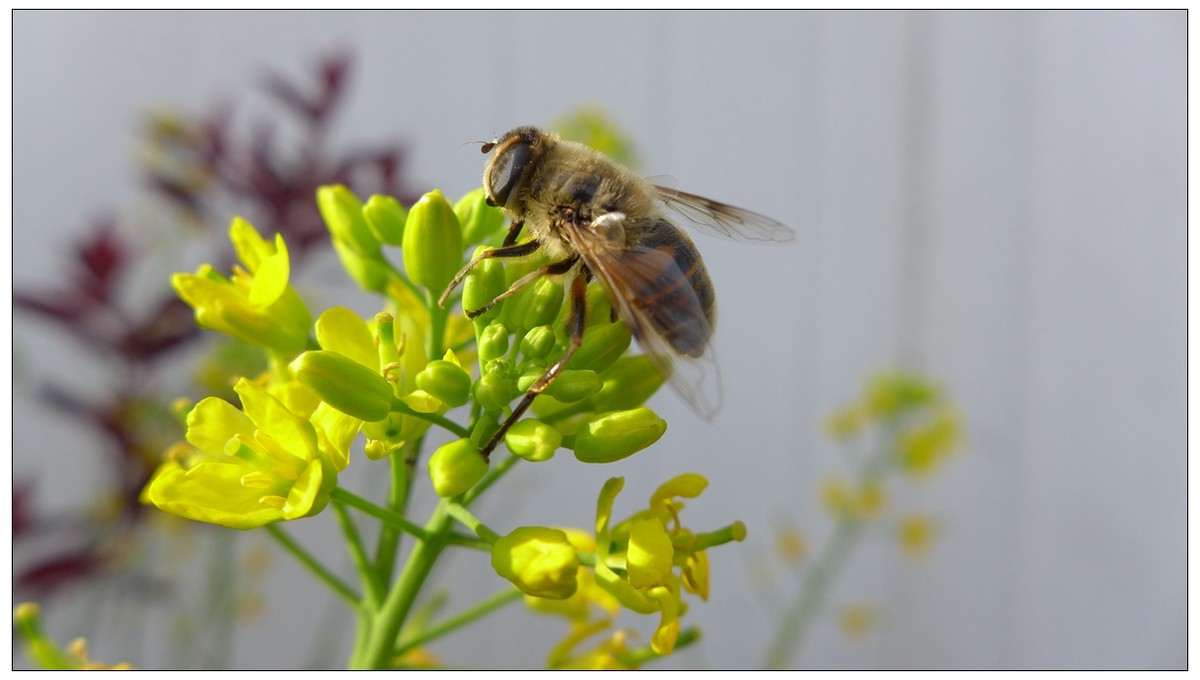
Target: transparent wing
column 723, row 221
column 675, row 336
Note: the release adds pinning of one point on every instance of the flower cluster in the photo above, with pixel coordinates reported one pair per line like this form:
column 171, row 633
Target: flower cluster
column 410, row 374
column 910, row 428
column 643, row 563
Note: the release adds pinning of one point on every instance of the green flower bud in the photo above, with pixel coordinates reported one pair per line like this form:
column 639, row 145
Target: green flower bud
column 447, row 381
column 345, row 384
column 533, row 440
column 539, row 560
column 628, row 383
column 611, row 436
column 570, row 386
column 543, row 304
column 456, row 467
column 493, row 391
column 538, row 342
column 385, row 216
column 485, row 282
column 343, row 215
column 371, row 274
column 599, row 307
column 478, row 219
column 602, row 346
column 432, row 243
column 493, row 342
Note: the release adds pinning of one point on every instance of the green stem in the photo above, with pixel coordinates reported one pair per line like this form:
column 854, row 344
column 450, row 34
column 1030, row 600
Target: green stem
column 461, row 619
column 358, row 502
column 376, row 650
column 468, row 542
column 472, row 522
column 813, row 590
column 372, row 585
column 402, row 464
column 399, row 406
column 437, row 326
column 335, row 584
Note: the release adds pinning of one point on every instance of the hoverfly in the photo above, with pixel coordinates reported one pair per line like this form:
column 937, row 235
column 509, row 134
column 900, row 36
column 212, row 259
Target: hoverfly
column 597, row 219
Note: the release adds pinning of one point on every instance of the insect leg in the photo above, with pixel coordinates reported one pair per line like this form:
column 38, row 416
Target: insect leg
column 577, row 324
column 552, row 269
column 517, row 250
column 514, row 230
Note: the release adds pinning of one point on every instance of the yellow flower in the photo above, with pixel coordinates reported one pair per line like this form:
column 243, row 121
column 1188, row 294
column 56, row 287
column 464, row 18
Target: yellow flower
column 648, row 560
column 256, row 305
column 923, row 447
column 244, row 468
column 539, row 560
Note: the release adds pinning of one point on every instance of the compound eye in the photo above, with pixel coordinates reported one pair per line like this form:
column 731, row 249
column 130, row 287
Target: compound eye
column 505, row 172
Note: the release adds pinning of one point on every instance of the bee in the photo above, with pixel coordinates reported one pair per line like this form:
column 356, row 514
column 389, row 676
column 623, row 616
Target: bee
column 595, row 219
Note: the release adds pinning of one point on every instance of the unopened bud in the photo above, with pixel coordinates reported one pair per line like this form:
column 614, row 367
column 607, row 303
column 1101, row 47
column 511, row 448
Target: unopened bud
column 602, row 346
column 345, row 384
column 447, row 381
column 493, row 391
column 483, row 284
column 543, row 304
column 539, row 560
column 493, row 342
column 479, row 220
column 533, row 440
column 611, row 436
column 385, row 216
column 456, row 467
column 432, row 244
column 538, row 342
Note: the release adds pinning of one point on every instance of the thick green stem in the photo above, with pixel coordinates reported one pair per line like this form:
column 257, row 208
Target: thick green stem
column 376, row 651
column 402, row 464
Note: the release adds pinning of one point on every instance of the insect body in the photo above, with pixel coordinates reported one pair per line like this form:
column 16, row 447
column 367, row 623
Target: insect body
column 596, row 219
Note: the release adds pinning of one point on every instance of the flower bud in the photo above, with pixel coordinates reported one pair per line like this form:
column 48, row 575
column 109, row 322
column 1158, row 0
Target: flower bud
column 345, row 384
column 569, row 387
column 456, row 467
column 478, row 219
column 343, row 215
column 371, row 274
column 611, row 436
column 628, row 383
column 543, row 304
column 540, row 561
column 538, row 342
column 493, row 391
column 432, row 243
column 493, row 342
column 447, row 381
column 533, row 440
column 385, row 216
column 602, row 346
column 483, row 284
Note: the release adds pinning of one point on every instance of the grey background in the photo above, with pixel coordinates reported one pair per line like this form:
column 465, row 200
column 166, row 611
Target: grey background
column 996, row 199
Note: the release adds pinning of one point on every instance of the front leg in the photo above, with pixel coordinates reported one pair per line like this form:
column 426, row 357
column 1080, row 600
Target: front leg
column 511, row 250
column 576, row 325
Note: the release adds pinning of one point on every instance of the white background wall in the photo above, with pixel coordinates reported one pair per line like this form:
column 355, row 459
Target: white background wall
column 996, row 199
